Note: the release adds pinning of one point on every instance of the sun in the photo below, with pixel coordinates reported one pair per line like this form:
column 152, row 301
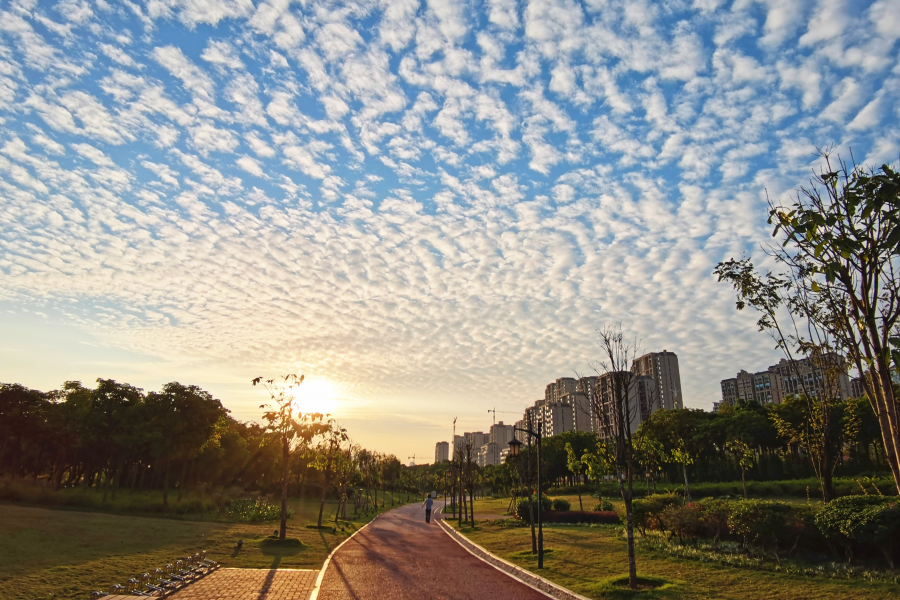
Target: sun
column 316, row 396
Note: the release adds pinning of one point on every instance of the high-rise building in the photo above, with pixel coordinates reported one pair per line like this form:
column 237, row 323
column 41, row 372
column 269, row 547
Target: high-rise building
column 641, row 391
column 785, row 379
column 501, row 434
column 441, row 452
column 488, row 454
column 477, row 439
column 662, row 367
column 458, row 441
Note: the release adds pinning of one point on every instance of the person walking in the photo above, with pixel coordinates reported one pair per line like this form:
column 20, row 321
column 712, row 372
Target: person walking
column 427, row 504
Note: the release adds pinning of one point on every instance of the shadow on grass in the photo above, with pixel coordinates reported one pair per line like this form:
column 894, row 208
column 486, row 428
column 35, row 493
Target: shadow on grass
column 648, row 586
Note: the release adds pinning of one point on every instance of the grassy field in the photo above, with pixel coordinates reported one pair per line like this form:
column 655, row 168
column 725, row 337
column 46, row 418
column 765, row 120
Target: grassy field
column 65, row 554
column 589, row 559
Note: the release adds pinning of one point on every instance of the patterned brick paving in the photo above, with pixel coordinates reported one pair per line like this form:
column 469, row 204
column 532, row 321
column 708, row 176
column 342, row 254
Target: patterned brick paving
column 246, row 584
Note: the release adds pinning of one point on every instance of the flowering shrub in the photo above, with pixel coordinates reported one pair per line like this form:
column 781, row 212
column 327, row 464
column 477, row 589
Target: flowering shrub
column 561, row 504
column 684, row 521
column 258, row 509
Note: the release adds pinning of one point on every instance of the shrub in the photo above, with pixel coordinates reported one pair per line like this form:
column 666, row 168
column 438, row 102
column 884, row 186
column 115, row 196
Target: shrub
column 522, row 505
column 684, row 521
column 715, row 517
column 604, row 506
column 259, row 509
column 764, row 522
column 578, row 516
column 862, row 520
column 561, row 504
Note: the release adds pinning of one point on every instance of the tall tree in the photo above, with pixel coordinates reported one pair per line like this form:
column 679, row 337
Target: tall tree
column 840, row 261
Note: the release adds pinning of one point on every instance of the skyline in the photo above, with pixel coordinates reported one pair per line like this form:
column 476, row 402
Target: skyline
column 427, row 207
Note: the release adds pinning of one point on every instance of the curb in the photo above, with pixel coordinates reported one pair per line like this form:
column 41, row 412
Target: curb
column 535, row 582
column 315, row 591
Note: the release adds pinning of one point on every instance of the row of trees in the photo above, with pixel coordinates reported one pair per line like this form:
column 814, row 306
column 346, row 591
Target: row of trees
column 115, row 436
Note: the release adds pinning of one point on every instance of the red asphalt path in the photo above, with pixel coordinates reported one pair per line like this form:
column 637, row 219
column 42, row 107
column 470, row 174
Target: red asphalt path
column 399, row 557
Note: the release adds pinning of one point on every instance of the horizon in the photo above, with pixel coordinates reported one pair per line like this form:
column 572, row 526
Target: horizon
column 426, row 209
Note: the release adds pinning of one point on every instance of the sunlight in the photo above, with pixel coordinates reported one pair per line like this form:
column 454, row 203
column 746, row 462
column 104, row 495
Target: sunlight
column 316, row 395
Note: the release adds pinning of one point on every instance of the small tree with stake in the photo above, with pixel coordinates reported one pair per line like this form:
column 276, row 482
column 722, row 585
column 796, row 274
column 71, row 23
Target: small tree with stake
column 615, row 401
column 289, row 426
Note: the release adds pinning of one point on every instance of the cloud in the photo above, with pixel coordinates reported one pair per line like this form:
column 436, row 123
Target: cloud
column 410, row 196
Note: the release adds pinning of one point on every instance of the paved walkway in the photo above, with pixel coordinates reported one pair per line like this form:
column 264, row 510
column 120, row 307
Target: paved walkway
column 400, row 557
column 247, row 584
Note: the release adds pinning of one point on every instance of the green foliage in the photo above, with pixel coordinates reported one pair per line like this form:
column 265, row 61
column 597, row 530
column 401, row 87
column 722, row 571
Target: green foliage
column 862, row 520
column 561, row 504
column 604, row 506
column 646, row 513
column 248, row 510
column 522, row 505
column 684, row 521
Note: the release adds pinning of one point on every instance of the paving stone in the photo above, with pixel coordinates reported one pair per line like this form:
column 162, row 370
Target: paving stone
column 250, row 584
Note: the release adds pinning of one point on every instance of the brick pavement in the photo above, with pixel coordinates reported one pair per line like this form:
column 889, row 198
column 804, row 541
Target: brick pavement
column 246, row 584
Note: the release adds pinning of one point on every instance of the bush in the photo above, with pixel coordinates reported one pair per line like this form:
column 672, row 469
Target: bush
column 604, row 506
column 862, row 521
column 257, row 509
column 684, row 521
column 578, row 516
column 765, row 522
column 715, row 517
column 561, row 504
column 522, row 505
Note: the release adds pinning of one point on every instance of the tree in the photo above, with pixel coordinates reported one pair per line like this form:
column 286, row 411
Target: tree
column 329, row 449
column 285, row 424
column 840, row 255
column 744, row 455
column 577, row 468
column 615, row 401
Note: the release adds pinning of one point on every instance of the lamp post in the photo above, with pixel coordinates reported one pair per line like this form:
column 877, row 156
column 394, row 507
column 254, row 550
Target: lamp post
column 514, row 446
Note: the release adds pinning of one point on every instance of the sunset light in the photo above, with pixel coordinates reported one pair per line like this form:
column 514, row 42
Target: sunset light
column 317, row 396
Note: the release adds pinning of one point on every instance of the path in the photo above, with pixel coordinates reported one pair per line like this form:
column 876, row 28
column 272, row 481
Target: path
column 400, row 557
column 246, row 584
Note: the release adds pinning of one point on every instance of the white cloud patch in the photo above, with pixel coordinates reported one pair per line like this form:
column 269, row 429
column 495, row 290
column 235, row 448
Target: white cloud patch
column 408, row 195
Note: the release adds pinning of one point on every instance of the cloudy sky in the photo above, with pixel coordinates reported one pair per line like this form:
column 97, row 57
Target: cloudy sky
column 427, row 208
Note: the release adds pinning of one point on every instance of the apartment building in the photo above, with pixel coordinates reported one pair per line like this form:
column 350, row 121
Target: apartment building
column 641, row 392
column 476, row 439
column 441, row 452
column 501, row 434
column 488, row 454
column 784, row 379
column 662, row 367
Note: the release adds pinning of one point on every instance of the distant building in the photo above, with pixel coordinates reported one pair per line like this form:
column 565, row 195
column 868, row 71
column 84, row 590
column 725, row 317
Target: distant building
column 458, row 441
column 489, row 454
column 477, row 439
column 501, row 434
column 441, row 452
column 641, row 393
column 786, row 378
column 857, row 388
column 662, row 367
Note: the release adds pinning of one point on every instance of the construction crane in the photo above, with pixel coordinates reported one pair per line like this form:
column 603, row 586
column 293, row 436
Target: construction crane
column 413, row 459
column 495, row 411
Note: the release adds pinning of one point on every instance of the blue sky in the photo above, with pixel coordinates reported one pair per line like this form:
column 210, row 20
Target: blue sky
column 429, row 206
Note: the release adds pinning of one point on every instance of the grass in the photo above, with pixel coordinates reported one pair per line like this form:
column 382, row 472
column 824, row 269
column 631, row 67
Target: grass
column 65, row 554
column 593, row 560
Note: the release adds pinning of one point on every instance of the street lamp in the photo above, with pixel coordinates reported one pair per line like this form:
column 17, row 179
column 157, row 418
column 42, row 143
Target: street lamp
column 514, row 446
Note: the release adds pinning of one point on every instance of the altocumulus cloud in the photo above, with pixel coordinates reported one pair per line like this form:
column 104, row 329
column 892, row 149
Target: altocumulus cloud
column 417, row 199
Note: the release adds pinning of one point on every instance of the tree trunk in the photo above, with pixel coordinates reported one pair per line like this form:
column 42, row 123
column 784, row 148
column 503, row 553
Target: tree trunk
column 578, row 487
column 285, row 477
column 181, row 481
column 165, row 504
column 687, row 487
column 744, row 481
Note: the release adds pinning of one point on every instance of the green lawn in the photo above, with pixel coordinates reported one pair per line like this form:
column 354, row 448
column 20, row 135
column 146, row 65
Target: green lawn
column 64, row 554
column 586, row 559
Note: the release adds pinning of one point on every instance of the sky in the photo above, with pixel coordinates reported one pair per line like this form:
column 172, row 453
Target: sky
column 427, row 208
